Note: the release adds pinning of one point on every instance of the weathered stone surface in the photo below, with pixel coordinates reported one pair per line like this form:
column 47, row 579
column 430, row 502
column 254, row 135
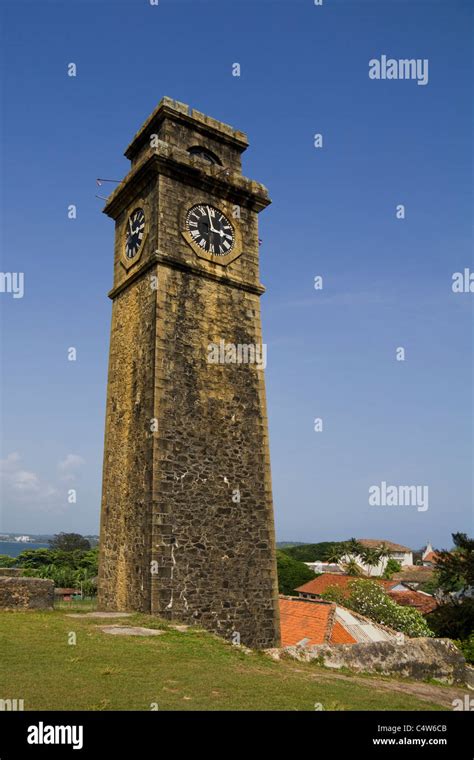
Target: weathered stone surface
column 100, row 614
column 469, row 675
column 420, row 658
column 11, row 572
column 173, row 540
column 26, row 594
column 118, row 630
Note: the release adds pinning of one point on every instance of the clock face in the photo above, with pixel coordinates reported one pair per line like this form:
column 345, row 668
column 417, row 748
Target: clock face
column 210, row 229
column 134, row 232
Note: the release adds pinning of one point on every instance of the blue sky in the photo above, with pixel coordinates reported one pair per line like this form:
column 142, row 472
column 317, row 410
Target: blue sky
column 331, row 353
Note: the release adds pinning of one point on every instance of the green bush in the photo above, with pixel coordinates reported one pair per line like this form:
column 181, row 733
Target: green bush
column 336, row 594
column 370, row 599
column 467, row 648
column 391, row 567
column 453, row 620
column 311, row 552
column 68, row 569
column 291, row 573
column 7, row 561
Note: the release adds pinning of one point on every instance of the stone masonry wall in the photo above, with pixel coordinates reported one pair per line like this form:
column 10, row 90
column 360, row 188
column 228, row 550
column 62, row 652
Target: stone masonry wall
column 215, row 555
column 124, row 569
column 26, row 593
column 420, row 658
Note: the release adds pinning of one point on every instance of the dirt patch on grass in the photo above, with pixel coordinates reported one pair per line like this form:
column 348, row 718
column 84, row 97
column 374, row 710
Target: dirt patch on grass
column 441, row 695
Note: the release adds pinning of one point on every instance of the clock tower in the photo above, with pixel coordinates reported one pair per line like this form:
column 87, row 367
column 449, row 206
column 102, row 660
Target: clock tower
column 187, row 518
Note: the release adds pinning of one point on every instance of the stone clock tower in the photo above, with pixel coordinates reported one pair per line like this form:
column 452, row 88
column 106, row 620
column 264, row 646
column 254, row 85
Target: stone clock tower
column 187, row 518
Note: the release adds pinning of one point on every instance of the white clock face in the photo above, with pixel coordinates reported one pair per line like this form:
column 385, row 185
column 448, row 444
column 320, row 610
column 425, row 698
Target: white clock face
column 210, row 229
column 134, row 233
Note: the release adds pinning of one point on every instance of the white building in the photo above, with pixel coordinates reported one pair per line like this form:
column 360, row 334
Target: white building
column 401, row 554
column 324, row 567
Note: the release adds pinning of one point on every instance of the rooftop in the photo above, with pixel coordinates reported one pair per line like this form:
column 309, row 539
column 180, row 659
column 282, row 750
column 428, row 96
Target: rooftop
column 321, row 584
column 167, row 107
column 414, row 574
column 376, row 543
column 431, row 557
column 307, row 622
column 424, row 603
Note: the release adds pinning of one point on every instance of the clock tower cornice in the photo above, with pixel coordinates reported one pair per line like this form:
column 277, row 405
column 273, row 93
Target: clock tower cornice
column 178, row 164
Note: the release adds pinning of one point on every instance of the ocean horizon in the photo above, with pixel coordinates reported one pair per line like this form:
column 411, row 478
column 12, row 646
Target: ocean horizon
column 14, row 548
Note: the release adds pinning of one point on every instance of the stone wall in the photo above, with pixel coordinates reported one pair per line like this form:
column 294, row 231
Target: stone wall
column 26, row 593
column 419, row 659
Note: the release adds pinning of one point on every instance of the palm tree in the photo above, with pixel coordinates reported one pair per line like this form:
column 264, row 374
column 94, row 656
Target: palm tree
column 384, row 553
column 354, row 547
column 352, row 568
column 336, row 554
column 370, row 558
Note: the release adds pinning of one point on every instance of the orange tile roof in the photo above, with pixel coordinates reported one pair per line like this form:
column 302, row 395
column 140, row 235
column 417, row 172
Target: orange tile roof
column 414, row 574
column 339, row 635
column 321, row 584
column 305, row 620
column 376, row 543
column 422, row 602
column 431, row 557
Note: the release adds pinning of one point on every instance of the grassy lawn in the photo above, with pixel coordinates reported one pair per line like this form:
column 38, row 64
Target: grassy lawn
column 190, row 670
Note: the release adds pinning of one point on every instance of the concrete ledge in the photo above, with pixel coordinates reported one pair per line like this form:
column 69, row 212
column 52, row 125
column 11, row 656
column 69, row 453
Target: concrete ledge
column 419, row 659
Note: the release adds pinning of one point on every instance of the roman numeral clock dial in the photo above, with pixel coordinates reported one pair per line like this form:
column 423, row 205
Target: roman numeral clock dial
column 210, row 229
column 134, row 233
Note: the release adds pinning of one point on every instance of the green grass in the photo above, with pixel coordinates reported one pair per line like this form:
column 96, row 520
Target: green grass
column 193, row 670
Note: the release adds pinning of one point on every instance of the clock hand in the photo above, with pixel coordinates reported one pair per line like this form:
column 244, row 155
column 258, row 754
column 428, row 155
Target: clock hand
column 210, row 223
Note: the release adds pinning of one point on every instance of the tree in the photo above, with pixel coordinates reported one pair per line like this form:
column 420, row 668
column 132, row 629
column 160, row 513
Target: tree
column 454, row 620
column 455, row 568
column 336, row 553
column 7, row 561
column 35, row 558
column 309, row 552
column 336, row 594
column 354, row 547
column 291, row 573
column 391, row 567
column 351, row 567
column 369, row 598
column 69, row 542
column 77, row 569
column 455, row 574
column 370, row 558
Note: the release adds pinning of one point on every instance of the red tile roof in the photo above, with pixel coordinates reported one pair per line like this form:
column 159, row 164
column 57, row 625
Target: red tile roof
column 414, row 574
column 431, row 557
column 305, row 620
column 376, row 543
column 422, row 602
column 321, row 584
column 339, row 635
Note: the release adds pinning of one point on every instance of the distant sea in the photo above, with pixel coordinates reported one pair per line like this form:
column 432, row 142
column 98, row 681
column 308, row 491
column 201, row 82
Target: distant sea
column 14, row 548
